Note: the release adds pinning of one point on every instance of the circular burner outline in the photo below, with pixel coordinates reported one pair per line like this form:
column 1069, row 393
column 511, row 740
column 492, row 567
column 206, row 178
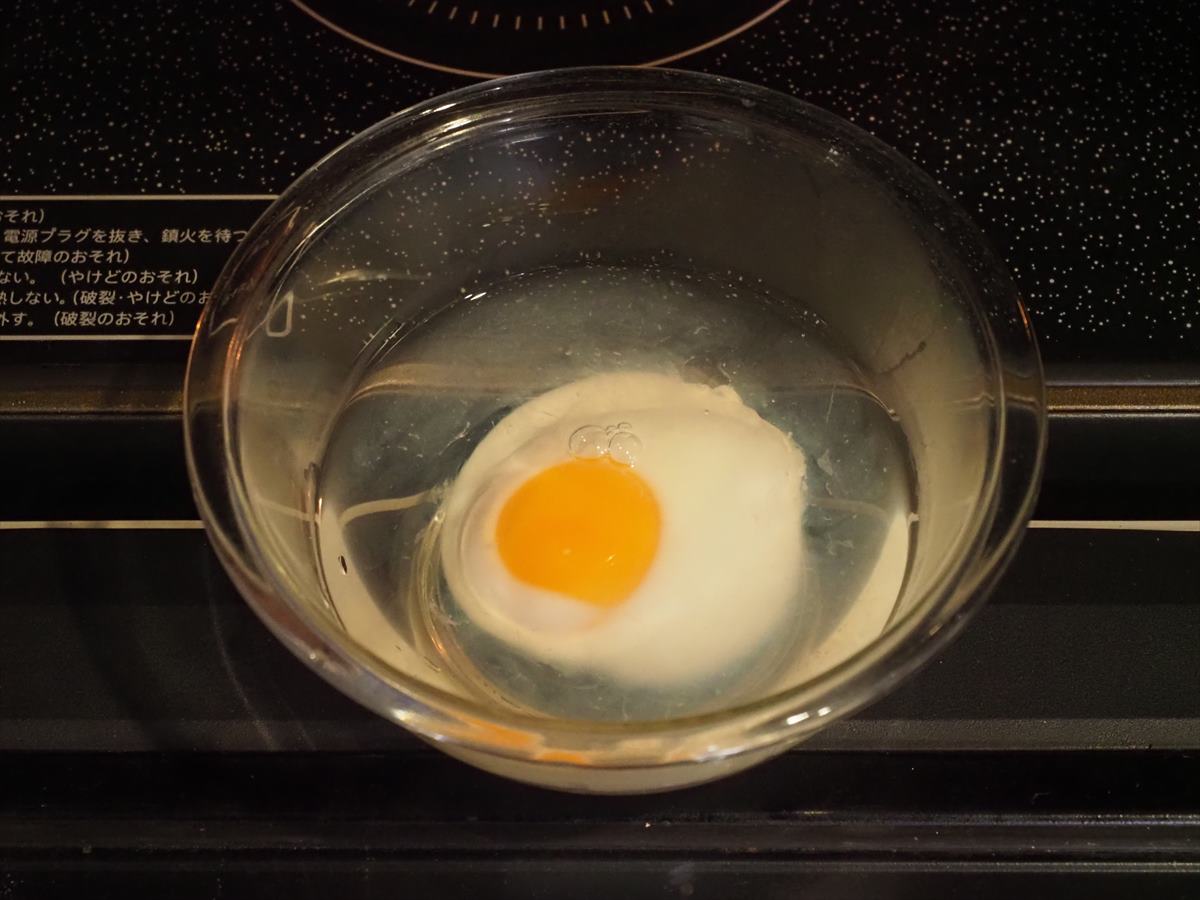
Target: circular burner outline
column 453, row 70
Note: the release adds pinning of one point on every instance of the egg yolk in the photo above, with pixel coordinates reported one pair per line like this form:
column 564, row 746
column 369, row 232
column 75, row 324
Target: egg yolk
column 586, row 528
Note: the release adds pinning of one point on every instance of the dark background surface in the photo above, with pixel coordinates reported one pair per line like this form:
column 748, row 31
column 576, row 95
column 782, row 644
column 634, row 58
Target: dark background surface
column 1069, row 133
column 156, row 741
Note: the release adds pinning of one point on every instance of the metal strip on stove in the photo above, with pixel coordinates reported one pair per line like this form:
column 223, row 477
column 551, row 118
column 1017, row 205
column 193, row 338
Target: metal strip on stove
column 1166, row 525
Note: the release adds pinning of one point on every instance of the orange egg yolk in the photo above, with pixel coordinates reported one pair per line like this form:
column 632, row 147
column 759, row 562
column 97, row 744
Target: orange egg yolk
column 586, row 528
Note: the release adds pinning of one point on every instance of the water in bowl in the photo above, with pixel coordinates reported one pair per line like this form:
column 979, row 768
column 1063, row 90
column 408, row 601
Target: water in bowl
column 436, row 387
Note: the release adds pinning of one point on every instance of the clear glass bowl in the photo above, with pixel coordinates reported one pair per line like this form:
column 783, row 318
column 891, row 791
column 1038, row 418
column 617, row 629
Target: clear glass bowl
column 628, row 171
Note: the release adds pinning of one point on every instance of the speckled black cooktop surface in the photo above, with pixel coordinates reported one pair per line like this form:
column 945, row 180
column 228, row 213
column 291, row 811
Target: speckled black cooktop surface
column 1069, row 133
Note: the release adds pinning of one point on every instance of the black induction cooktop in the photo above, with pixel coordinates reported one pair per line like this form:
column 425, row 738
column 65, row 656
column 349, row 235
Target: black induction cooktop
column 155, row 741
column 1069, row 133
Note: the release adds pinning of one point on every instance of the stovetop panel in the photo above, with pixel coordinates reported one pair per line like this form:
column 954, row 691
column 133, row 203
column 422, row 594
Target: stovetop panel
column 1069, row 133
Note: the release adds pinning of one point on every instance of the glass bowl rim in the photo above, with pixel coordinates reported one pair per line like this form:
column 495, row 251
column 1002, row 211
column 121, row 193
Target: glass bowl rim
column 781, row 717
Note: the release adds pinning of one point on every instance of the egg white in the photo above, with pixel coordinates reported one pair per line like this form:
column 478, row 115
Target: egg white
column 729, row 486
